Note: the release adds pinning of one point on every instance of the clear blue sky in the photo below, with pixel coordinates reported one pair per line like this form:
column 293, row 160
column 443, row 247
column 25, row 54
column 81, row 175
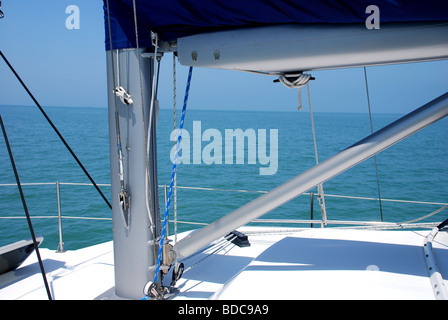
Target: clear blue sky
column 67, row 68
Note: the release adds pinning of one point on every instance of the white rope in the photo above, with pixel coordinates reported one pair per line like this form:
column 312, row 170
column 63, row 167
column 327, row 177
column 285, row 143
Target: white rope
column 148, row 192
column 148, row 134
column 374, row 157
column 123, row 197
column 320, row 187
column 119, row 90
column 427, row 216
column 301, row 80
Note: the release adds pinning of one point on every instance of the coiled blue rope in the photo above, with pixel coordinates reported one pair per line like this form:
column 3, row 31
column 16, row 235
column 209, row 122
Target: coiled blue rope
column 173, row 173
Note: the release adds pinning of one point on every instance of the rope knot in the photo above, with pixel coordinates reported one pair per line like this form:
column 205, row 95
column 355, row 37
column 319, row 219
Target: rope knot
column 294, row 81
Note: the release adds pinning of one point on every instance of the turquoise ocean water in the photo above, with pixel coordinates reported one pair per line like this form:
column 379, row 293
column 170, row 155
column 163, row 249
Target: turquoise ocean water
column 414, row 169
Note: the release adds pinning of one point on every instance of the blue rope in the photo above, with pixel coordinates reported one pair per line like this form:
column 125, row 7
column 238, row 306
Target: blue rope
column 159, row 257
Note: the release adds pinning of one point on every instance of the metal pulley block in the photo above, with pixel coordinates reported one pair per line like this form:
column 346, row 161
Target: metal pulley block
column 123, row 95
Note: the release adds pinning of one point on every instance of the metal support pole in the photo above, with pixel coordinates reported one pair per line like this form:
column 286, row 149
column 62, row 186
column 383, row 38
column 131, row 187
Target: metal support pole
column 134, row 251
column 353, row 155
column 311, row 208
column 61, row 244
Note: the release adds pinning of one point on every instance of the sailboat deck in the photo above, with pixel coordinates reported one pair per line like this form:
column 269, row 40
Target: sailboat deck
column 280, row 263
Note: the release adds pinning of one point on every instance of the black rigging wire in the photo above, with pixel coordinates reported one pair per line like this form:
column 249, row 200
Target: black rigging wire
column 2, row 15
column 55, row 129
column 443, row 224
column 28, row 218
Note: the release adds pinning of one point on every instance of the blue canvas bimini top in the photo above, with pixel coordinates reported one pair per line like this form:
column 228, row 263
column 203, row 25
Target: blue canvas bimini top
column 172, row 19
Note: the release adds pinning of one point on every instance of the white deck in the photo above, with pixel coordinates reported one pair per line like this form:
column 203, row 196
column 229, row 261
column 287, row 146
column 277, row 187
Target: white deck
column 299, row 264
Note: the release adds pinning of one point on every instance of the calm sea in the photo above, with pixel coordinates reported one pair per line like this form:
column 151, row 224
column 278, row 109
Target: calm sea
column 415, row 169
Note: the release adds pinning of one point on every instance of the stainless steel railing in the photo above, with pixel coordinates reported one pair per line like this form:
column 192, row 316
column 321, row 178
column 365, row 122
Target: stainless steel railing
column 311, row 221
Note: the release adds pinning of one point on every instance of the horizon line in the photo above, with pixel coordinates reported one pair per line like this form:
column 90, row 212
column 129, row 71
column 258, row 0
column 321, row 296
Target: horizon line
column 219, row 109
